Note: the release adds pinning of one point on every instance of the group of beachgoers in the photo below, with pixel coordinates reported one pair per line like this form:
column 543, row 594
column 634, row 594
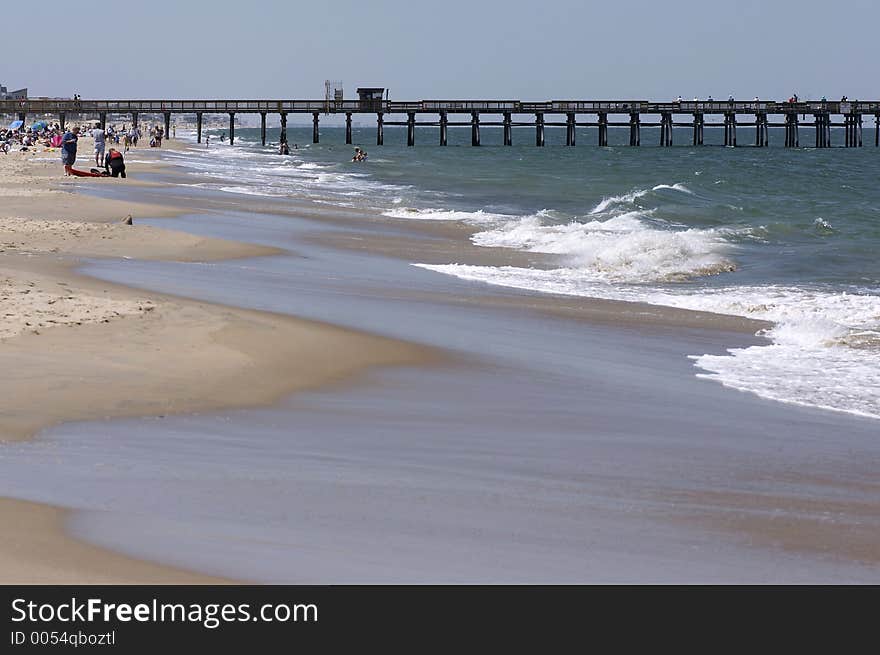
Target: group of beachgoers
column 112, row 161
column 18, row 137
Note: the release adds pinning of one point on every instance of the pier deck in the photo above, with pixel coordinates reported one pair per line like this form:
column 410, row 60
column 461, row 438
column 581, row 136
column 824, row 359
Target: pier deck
column 689, row 114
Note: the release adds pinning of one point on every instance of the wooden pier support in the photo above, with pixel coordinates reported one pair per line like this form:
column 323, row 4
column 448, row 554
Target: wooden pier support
column 603, row 130
column 62, row 120
column 283, row 137
column 539, row 130
column 475, row 128
column 134, row 119
column 822, row 121
column 198, row 127
column 792, row 138
column 263, row 127
column 508, row 137
column 444, row 128
column 348, row 128
column 635, row 137
column 569, row 129
column 167, row 123
column 698, row 124
column 316, row 135
column 231, row 128
column 730, row 129
column 762, row 136
column 877, row 131
column 380, row 129
column 22, row 116
column 103, row 118
column 666, row 129
column 411, row 129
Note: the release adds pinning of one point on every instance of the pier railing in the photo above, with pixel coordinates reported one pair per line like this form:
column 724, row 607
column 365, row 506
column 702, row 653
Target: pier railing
column 41, row 106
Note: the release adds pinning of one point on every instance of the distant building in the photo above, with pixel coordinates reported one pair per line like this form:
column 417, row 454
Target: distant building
column 5, row 94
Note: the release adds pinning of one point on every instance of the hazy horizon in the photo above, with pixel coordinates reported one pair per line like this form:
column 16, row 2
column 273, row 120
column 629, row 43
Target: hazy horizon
column 491, row 49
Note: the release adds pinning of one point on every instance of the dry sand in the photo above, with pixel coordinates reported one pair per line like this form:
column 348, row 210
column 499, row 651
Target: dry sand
column 73, row 348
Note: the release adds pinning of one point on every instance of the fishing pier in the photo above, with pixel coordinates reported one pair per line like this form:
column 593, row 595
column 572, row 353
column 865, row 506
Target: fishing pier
column 737, row 119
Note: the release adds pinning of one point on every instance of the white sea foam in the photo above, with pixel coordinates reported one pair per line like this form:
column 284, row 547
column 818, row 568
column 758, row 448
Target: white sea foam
column 471, row 218
column 613, row 202
column 825, row 346
column 622, row 249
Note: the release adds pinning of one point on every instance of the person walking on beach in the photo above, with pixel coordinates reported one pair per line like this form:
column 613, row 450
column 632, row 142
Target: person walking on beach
column 68, row 149
column 98, row 136
column 207, row 140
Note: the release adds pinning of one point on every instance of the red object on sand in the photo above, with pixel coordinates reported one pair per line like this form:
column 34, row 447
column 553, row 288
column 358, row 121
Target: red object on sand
column 79, row 173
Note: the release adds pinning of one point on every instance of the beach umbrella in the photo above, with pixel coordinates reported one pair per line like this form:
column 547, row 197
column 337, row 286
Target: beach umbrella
column 14, row 125
column 39, row 125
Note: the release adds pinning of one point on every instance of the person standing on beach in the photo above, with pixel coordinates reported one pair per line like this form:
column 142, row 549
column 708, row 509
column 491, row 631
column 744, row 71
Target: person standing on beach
column 68, row 149
column 98, row 136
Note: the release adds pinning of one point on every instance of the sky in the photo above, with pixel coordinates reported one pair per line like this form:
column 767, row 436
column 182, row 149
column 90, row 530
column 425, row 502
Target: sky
column 448, row 49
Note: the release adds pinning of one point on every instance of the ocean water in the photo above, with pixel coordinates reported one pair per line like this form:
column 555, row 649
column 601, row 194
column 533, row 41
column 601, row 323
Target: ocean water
column 787, row 236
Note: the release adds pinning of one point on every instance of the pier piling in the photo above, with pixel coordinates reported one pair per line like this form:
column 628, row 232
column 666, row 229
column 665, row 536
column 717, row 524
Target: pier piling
column 167, row 123
column 411, row 129
column 348, row 128
column 730, row 129
column 380, row 129
column 539, row 129
column 103, row 118
column 283, row 137
column 569, row 129
column 198, row 127
column 475, row 128
column 444, row 128
column 134, row 119
column 316, row 137
column 508, row 137
column 231, row 128
column 666, row 129
column 603, row 129
column 62, row 119
column 635, row 138
column 263, row 127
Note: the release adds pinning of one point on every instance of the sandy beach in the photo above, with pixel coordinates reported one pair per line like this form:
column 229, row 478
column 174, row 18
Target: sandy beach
column 73, row 348
column 358, row 419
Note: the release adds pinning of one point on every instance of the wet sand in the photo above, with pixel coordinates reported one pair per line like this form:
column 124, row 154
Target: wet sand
column 73, row 348
column 557, row 439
